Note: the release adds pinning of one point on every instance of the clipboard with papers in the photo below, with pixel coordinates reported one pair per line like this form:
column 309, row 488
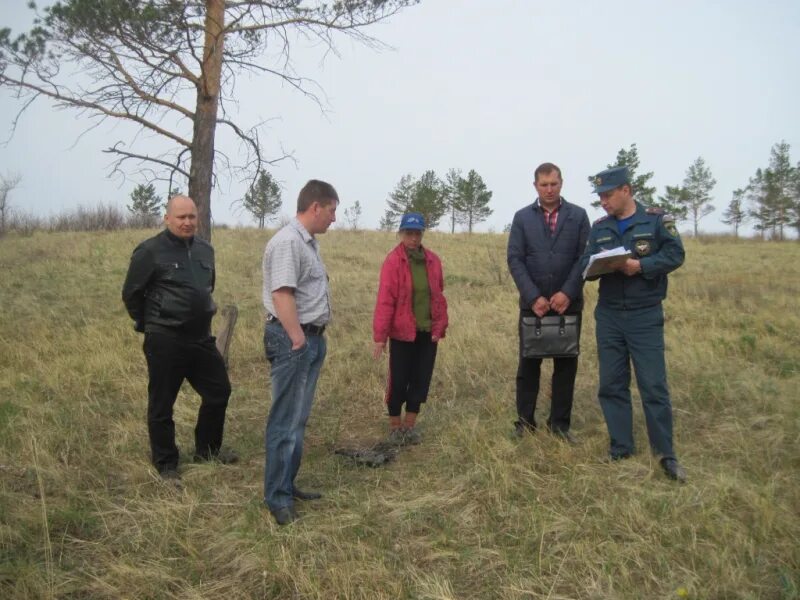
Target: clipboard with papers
column 606, row 261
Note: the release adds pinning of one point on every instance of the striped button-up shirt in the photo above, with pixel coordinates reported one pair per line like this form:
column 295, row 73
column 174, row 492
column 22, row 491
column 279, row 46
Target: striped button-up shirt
column 292, row 259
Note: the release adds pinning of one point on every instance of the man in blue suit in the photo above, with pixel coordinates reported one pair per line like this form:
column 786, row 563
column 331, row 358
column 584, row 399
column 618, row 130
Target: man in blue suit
column 544, row 249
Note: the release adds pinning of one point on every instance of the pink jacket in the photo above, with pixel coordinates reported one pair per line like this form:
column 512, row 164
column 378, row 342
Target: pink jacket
column 394, row 309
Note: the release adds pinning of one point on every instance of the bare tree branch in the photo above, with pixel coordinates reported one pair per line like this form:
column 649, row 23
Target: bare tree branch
column 173, row 167
column 63, row 99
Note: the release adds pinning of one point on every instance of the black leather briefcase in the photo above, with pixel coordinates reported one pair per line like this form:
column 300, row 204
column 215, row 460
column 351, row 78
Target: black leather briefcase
column 551, row 336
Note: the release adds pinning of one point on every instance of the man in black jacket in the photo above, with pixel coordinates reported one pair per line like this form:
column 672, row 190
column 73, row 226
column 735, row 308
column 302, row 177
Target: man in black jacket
column 168, row 295
column 544, row 248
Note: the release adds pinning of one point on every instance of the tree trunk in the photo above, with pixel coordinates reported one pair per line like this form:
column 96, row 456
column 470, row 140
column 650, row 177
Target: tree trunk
column 205, row 119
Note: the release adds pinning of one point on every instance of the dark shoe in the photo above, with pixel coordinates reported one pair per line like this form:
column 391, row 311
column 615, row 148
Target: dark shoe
column 299, row 494
column 224, row 456
column 171, row 476
column 673, row 469
column 284, row 516
column 566, row 436
column 619, row 457
column 521, row 428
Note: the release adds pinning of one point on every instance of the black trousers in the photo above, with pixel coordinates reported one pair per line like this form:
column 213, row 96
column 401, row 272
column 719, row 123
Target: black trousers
column 170, row 360
column 563, row 390
column 410, row 372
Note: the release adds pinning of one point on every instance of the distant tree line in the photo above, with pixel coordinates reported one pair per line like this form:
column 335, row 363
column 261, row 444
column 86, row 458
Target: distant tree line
column 770, row 200
column 458, row 199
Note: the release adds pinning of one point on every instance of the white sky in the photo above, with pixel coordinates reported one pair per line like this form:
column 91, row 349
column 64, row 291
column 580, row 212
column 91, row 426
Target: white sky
column 498, row 87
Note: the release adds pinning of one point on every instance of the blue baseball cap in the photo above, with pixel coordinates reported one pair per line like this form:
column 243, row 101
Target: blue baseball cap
column 412, row 221
column 610, row 179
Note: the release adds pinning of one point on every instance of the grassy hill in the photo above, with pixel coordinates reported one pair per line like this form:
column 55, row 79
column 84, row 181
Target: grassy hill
column 470, row 513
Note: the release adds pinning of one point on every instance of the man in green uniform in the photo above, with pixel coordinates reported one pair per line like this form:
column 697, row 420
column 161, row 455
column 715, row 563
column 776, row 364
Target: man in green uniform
column 630, row 318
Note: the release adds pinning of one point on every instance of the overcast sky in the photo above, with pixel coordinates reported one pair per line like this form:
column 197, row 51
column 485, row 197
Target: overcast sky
column 498, row 87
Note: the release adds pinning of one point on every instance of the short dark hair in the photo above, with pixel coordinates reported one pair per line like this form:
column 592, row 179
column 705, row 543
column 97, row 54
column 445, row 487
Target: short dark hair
column 544, row 169
column 316, row 191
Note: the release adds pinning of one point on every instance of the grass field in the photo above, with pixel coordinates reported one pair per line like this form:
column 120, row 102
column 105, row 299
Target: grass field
column 470, row 513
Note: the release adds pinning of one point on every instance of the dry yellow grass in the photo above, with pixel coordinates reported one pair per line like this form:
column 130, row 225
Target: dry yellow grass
column 470, row 513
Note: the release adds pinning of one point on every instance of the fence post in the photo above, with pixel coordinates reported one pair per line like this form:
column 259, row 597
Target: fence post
column 229, row 315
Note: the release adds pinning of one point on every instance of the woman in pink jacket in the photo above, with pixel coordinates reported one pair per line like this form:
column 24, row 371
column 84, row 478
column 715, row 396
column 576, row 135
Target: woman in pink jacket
column 411, row 312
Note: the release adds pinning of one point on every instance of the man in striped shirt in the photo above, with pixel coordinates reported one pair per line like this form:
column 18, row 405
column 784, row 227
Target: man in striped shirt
column 297, row 299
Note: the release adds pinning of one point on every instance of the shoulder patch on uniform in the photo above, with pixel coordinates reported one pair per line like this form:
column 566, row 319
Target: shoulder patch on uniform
column 654, row 210
column 600, row 220
column 668, row 218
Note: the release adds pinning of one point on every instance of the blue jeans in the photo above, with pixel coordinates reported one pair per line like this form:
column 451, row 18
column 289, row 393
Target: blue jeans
column 625, row 336
column 294, row 375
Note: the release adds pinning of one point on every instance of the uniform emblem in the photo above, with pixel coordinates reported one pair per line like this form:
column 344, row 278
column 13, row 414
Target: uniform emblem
column 671, row 229
column 598, row 181
column 642, row 247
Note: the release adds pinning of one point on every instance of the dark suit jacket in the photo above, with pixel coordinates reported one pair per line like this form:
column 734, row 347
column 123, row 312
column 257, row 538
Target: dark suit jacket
column 543, row 264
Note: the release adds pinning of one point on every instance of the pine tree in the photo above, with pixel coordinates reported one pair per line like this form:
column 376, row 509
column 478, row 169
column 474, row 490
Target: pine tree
column 697, row 186
column 170, row 69
column 263, row 199
column 352, row 215
column 399, row 203
column 782, row 178
column 452, row 182
column 673, row 202
column 430, row 199
column 761, row 194
column 643, row 192
column 735, row 214
column 145, row 206
column 473, row 200
column 427, row 195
